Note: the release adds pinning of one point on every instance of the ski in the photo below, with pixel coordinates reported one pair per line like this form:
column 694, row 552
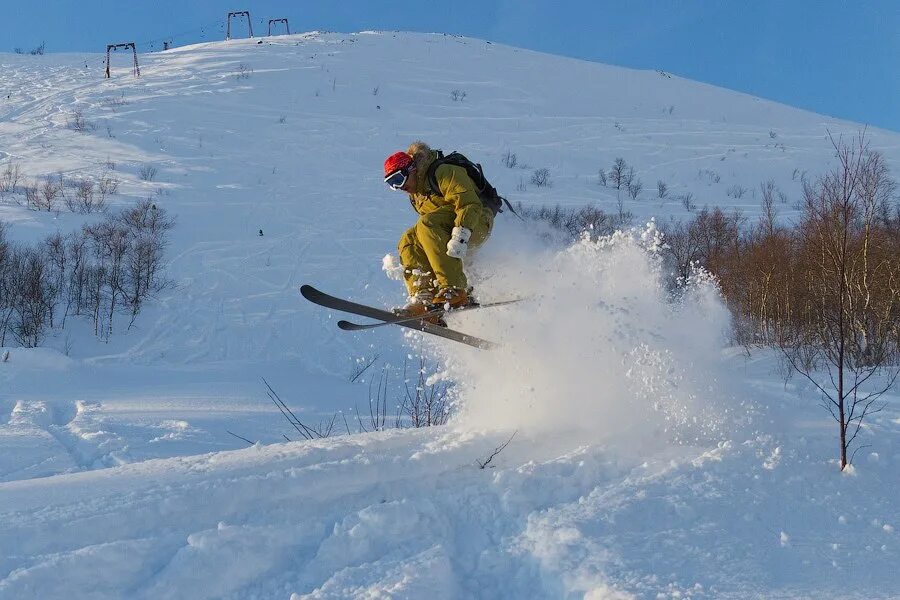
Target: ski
column 322, row 299
column 438, row 312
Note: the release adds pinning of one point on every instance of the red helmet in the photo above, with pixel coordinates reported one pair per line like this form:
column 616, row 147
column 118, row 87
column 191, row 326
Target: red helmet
column 396, row 161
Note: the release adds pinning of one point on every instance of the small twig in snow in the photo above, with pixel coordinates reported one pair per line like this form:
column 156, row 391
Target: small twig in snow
column 240, row 438
column 497, row 450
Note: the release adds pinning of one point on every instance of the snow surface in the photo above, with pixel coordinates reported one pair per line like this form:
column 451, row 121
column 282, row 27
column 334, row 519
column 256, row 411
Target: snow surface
column 649, row 460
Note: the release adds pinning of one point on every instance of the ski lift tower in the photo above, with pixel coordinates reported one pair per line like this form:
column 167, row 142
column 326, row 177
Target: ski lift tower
column 136, row 70
column 287, row 27
column 239, row 13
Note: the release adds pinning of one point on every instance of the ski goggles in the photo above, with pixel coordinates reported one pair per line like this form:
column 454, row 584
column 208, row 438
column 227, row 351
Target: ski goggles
column 397, row 179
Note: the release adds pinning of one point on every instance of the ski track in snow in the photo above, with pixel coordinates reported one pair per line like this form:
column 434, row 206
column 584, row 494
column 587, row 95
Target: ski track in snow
column 118, row 478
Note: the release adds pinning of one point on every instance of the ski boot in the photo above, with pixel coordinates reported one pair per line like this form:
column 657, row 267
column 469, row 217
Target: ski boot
column 453, row 298
column 421, row 304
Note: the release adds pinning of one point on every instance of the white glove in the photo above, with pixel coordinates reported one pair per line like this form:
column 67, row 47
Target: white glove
column 459, row 242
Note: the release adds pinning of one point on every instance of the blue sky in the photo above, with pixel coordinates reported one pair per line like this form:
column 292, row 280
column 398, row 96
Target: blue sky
column 837, row 57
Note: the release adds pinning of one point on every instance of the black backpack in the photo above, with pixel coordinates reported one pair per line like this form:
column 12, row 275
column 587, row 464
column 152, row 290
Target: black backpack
column 486, row 192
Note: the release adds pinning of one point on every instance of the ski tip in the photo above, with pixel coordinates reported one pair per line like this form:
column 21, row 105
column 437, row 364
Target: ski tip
column 346, row 325
column 307, row 290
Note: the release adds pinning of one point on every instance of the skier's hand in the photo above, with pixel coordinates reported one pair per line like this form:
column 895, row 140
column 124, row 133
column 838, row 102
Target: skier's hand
column 459, row 242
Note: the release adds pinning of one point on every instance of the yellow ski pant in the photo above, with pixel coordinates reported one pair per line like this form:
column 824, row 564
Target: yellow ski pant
column 423, row 251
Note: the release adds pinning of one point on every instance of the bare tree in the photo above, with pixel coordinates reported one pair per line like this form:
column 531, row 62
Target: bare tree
column 769, row 212
column 634, row 188
column 849, row 320
column 84, row 199
column 9, row 179
column 30, row 305
column 619, row 173
column 628, row 177
column 662, row 189
column 55, row 255
column 541, row 177
column 147, row 173
column 106, row 186
column 736, row 191
column 7, row 290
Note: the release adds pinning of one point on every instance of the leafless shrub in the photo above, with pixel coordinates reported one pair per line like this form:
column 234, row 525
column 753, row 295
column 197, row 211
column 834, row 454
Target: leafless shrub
column 244, row 71
column 521, row 187
column 510, row 160
column 26, row 297
column 307, row 432
column 8, row 291
column 623, row 217
column 541, row 178
column 41, row 195
column 77, row 122
column 360, row 365
column 32, row 195
column 709, row 176
column 708, row 239
column 147, row 173
column 601, row 177
column 9, row 179
column 634, row 188
column 662, row 189
column 108, row 267
column 458, row 95
column 375, row 90
column 378, row 395
column 107, row 186
column 426, row 403
column 687, row 201
column 736, row 191
column 629, row 177
column 86, row 197
column 772, row 134
column 282, row 119
column 115, row 102
column 575, row 222
column 146, row 228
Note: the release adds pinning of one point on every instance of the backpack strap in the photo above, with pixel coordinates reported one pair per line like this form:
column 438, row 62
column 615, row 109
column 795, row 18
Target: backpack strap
column 431, row 178
column 431, row 173
column 511, row 209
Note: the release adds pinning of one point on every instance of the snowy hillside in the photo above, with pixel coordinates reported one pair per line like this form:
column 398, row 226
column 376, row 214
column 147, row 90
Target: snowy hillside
column 646, row 459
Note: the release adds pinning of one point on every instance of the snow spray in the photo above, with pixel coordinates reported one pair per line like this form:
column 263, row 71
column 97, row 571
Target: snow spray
column 602, row 349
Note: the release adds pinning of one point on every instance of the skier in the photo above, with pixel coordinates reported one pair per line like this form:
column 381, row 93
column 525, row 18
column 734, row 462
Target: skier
column 452, row 222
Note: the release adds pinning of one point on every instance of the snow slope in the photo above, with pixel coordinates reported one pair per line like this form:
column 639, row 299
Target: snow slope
column 648, row 460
